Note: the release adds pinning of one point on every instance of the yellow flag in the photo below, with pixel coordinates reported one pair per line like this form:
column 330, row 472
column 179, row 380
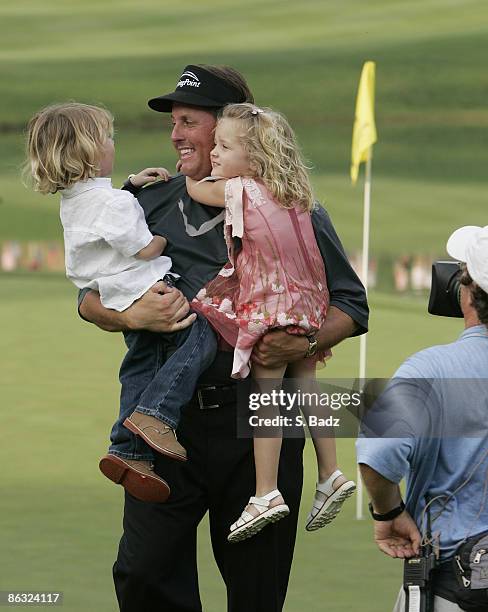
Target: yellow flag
column 364, row 132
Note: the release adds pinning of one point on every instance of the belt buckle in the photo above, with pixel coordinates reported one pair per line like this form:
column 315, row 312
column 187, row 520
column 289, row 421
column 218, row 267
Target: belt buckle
column 201, row 404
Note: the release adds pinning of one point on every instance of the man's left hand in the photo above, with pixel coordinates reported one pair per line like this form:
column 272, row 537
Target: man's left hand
column 399, row 538
column 278, row 348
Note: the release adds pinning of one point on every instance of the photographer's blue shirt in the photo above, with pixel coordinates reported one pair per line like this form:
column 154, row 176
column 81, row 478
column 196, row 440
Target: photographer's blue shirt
column 431, row 426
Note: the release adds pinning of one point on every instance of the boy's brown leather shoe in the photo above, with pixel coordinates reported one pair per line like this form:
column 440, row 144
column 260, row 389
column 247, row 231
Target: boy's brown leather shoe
column 137, row 477
column 157, row 434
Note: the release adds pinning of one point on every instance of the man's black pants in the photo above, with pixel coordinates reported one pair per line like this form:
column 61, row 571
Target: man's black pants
column 156, row 567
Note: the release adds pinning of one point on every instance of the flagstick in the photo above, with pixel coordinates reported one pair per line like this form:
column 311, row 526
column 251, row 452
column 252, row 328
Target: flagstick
column 362, row 341
column 365, row 259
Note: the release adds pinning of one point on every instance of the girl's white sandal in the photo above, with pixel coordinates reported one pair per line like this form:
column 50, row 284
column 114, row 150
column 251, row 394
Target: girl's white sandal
column 248, row 525
column 325, row 510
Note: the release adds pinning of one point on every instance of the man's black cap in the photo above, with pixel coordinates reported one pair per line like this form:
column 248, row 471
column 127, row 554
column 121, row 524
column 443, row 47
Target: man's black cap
column 198, row 87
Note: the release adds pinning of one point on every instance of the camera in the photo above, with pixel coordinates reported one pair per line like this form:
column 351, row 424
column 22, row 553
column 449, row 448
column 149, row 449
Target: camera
column 445, row 291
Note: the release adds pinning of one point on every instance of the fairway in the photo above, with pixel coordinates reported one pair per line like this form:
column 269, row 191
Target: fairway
column 60, row 521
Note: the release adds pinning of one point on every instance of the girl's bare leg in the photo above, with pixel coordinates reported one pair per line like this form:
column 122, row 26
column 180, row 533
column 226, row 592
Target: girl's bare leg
column 325, row 447
column 267, row 450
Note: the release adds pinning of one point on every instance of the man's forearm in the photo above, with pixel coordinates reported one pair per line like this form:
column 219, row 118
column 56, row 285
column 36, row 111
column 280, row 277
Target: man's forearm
column 92, row 310
column 161, row 309
column 278, row 347
column 384, row 494
column 337, row 327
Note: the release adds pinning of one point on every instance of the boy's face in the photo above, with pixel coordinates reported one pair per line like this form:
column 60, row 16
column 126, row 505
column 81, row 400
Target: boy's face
column 107, row 157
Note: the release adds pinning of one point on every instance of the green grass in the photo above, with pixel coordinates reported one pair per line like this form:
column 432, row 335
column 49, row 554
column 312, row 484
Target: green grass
column 430, row 161
column 60, row 521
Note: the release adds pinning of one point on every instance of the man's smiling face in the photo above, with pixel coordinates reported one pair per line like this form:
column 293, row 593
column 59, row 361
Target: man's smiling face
column 193, row 138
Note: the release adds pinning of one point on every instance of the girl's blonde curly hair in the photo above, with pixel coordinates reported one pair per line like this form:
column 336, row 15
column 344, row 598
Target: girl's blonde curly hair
column 64, row 144
column 274, row 154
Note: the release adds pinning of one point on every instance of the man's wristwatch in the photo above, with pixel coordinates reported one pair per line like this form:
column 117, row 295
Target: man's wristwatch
column 129, row 185
column 388, row 516
column 312, row 345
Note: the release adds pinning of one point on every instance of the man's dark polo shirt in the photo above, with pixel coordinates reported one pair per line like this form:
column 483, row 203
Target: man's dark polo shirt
column 197, row 247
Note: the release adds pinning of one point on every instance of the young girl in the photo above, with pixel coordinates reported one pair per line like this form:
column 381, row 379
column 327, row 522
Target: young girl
column 277, row 280
column 109, row 248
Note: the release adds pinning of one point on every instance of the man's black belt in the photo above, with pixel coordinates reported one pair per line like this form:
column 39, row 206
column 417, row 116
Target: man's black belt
column 213, row 396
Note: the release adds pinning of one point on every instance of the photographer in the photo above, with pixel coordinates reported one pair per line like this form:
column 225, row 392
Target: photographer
column 434, row 415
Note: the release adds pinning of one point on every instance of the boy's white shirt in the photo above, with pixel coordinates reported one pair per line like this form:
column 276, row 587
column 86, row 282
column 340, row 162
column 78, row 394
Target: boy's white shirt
column 103, row 229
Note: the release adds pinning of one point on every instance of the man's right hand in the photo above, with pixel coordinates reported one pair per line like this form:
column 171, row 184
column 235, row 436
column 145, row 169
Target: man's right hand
column 161, row 309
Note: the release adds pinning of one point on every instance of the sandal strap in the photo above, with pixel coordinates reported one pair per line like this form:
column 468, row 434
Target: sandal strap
column 326, row 487
column 265, row 500
column 271, row 495
column 259, row 501
column 244, row 518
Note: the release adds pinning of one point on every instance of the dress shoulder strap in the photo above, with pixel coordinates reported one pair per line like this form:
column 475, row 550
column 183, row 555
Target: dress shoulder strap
column 234, row 209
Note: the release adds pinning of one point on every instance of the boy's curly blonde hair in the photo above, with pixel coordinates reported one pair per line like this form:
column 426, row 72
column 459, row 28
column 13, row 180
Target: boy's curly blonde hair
column 64, row 143
column 274, row 154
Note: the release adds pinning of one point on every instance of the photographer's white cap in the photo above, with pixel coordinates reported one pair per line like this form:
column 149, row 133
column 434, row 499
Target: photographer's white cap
column 469, row 244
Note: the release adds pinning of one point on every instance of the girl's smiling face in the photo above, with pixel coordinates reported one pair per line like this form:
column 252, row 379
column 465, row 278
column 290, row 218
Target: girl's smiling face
column 229, row 158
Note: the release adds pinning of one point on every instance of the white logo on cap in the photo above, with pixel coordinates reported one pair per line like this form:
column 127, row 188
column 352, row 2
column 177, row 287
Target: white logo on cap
column 191, row 80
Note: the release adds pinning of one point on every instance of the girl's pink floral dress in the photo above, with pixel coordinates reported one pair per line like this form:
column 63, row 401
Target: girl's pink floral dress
column 277, row 279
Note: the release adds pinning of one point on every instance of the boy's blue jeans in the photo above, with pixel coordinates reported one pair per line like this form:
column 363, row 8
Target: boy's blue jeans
column 159, row 376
